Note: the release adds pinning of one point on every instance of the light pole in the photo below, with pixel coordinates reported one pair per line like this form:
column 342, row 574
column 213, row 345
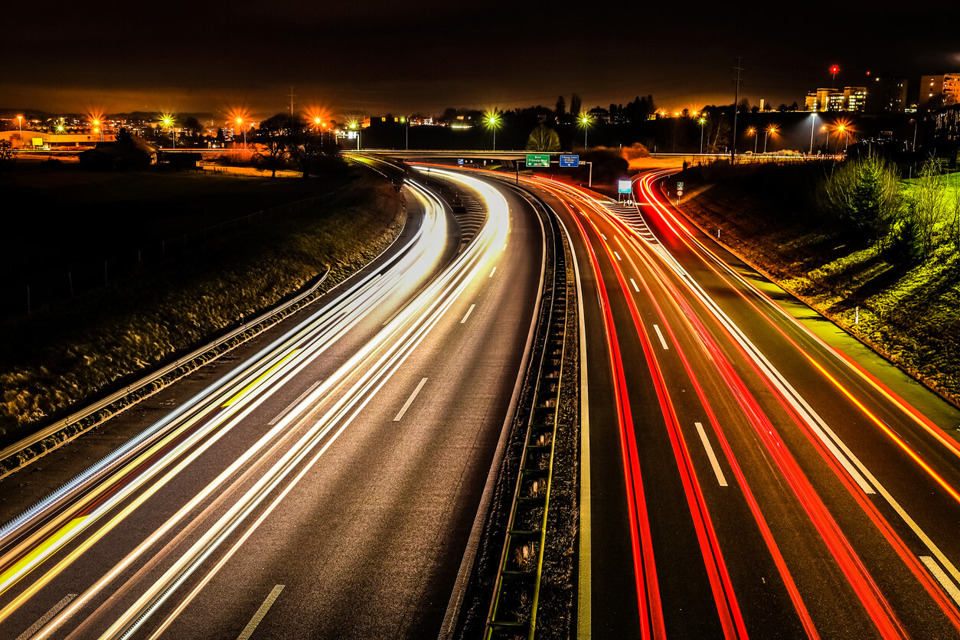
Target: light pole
column 813, row 121
column 168, row 122
column 702, row 121
column 244, row 127
column 826, row 138
column 752, row 131
column 493, row 122
column 585, row 123
column 766, row 133
column 20, row 125
column 842, row 128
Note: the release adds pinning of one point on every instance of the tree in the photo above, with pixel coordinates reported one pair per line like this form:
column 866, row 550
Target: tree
column 543, row 138
column 927, row 203
column 6, row 155
column 864, row 193
column 575, row 104
column 304, row 146
column 272, row 139
column 561, row 109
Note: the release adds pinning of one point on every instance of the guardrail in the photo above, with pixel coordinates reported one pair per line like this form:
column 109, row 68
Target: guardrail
column 513, row 610
column 145, row 382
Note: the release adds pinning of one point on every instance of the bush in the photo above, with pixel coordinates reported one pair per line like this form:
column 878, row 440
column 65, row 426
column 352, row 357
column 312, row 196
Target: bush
column 865, row 195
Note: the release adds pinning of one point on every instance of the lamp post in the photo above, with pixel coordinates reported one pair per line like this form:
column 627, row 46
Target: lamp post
column 766, row 133
column 244, row 128
column 842, row 128
column 585, row 123
column 20, row 125
column 751, row 131
column 702, row 121
column 813, row 121
column 493, row 122
column 168, row 122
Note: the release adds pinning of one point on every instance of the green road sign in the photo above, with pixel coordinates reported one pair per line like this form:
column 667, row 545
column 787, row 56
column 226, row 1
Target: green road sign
column 680, row 186
column 538, row 159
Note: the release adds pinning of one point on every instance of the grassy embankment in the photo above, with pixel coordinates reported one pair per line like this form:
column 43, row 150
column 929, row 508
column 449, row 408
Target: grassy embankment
column 910, row 313
column 72, row 350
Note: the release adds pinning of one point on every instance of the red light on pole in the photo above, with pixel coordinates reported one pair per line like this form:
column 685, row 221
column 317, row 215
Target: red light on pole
column 834, row 70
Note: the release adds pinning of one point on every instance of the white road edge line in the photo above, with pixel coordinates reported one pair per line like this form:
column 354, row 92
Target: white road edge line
column 413, row 396
column 492, row 272
column 634, row 283
column 710, row 454
column 942, row 578
column 261, row 612
column 663, row 342
column 54, row 610
column 467, row 314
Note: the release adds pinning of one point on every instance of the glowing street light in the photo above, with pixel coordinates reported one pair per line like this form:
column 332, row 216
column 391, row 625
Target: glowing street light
column 585, row 121
column 772, row 129
column 845, row 130
column 702, row 120
column 20, row 125
column 826, row 136
column 244, row 127
column 168, row 123
column 97, row 128
column 492, row 120
column 752, row 131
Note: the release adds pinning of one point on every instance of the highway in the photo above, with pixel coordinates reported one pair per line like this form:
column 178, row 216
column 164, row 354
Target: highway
column 324, row 485
column 741, row 474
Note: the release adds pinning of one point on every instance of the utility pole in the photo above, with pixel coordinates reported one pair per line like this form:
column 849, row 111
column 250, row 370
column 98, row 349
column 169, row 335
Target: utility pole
column 736, row 105
column 291, row 96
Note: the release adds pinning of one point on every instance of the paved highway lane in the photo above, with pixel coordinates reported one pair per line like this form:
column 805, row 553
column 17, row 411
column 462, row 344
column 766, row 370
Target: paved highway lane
column 370, row 453
column 783, row 514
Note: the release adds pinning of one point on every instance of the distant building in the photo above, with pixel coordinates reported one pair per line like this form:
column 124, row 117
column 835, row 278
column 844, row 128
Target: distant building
column 939, row 90
column 29, row 139
column 887, row 95
column 823, row 99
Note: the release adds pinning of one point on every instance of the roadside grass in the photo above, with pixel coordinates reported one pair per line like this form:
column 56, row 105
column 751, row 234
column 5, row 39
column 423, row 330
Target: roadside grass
column 107, row 336
column 908, row 313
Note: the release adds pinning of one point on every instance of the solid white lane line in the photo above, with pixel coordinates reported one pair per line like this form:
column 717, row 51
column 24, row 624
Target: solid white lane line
column 54, row 610
column 467, row 315
column 713, row 458
column 942, row 578
column 261, row 612
column 492, row 272
column 618, row 255
column 634, row 283
column 413, row 396
column 603, row 236
column 663, row 342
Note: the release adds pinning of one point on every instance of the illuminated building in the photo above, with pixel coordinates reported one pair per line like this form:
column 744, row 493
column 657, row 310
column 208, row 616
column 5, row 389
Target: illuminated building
column 939, row 90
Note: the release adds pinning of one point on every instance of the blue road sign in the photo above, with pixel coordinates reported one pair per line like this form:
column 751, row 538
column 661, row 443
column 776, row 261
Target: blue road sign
column 460, row 161
column 567, row 160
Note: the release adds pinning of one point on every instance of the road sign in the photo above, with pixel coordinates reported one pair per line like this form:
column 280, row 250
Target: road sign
column 569, row 160
column 538, row 159
column 679, row 192
column 624, row 186
column 460, row 161
column 680, row 187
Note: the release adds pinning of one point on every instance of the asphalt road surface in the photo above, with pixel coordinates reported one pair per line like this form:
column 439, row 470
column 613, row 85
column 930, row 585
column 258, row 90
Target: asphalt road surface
column 324, row 485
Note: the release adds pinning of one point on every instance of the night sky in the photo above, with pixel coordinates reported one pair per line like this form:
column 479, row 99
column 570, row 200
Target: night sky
column 376, row 57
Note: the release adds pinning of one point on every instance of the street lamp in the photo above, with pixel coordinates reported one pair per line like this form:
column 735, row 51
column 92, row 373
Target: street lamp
column 767, row 132
column 20, row 125
column 842, row 128
column 492, row 120
column 585, row 123
column 168, row 123
column 752, row 131
column 97, row 128
column 826, row 138
column 702, row 121
column 813, row 121
column 243, row 126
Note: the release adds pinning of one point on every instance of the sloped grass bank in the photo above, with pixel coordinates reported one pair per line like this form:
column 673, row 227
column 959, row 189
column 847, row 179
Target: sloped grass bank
column 103, row 339
column 908, row 313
